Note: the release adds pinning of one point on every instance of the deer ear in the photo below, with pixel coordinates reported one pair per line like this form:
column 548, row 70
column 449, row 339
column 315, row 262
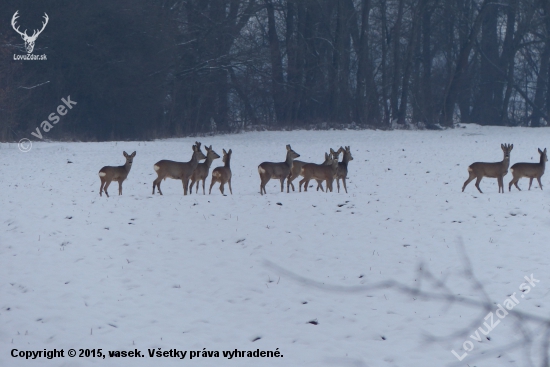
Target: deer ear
column 125, row 154
column 511, row 146
column 288, row 147
column 502, row 146
column 540, row 151
column 544, row 150
column 134, row 154
column 229, row 152
column 224, row 152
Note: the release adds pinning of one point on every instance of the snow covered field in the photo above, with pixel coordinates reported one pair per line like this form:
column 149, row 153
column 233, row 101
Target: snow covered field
column 224, row 273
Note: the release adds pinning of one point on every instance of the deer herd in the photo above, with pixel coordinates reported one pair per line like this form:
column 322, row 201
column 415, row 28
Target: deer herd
column 328, row 171
column 196, row 172
column 498, row 170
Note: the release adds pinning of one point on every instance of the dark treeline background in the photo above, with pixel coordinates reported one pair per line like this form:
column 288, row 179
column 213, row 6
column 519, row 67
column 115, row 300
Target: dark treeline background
column 142, row 69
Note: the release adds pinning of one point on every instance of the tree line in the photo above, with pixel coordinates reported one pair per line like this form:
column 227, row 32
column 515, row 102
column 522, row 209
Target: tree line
column 141, row 69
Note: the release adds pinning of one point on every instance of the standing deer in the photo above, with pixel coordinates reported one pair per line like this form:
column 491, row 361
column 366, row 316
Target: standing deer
column 343, row 167
column 113, row 173
column 530, row 170
column 320, row 172
column 280, row 170
column 178, row 170
column 297, row 168
column 492, row 170
column 222, row 174
column 201, row 172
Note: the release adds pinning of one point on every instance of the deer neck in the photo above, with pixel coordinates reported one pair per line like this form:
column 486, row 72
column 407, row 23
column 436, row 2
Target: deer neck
column 345, row 160
column 506, row 163
column 208, row 162
column 289, row 159
column 227, row 164
column 127, row 167
column 194, row 160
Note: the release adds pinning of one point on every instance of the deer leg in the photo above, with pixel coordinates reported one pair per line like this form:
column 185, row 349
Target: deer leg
column 283, row 184
column 515, row 183
column 197, row 187
column 540, row 183
column 477, row 183
column 470, row 178
column 289, row 182
column 530, row 182
column 101, row 187
column 300, row 184
column 329, row 185
column 231, row 190
column 344, row 182
column 320, row 185
column 338, row 184
column 211, row 184
column 158, row 186
column 185, row 184
column 106, row 187
column 500, row 181
column 263, row 182
column 222, row 187
column 120, row 187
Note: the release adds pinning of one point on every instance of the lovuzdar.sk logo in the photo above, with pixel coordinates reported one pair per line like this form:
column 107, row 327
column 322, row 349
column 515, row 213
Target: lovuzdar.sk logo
column 29, row 40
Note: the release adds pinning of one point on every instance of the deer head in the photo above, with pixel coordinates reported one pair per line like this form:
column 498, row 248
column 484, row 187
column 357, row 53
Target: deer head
column 29, row 40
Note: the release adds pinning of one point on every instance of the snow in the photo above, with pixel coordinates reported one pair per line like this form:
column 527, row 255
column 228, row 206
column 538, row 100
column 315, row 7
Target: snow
column 217, row 272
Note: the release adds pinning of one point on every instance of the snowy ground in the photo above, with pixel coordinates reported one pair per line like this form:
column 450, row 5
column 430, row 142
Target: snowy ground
column 187, row 273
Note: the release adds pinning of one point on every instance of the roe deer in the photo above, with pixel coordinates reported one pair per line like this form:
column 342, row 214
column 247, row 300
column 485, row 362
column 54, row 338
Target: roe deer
column 493, row 170
column 281, row 170
column 320, row 172
column 222, row 174
column 343, row 167
column 297, row 168
column 113, row 173
column 529, row 170
column 178, row 170
column 201, row 172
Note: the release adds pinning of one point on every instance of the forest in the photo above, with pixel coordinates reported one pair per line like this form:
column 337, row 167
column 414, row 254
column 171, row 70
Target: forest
column 142, row 70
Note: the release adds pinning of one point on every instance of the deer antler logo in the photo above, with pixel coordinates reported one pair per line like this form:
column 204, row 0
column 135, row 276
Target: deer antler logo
column 29, row 40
